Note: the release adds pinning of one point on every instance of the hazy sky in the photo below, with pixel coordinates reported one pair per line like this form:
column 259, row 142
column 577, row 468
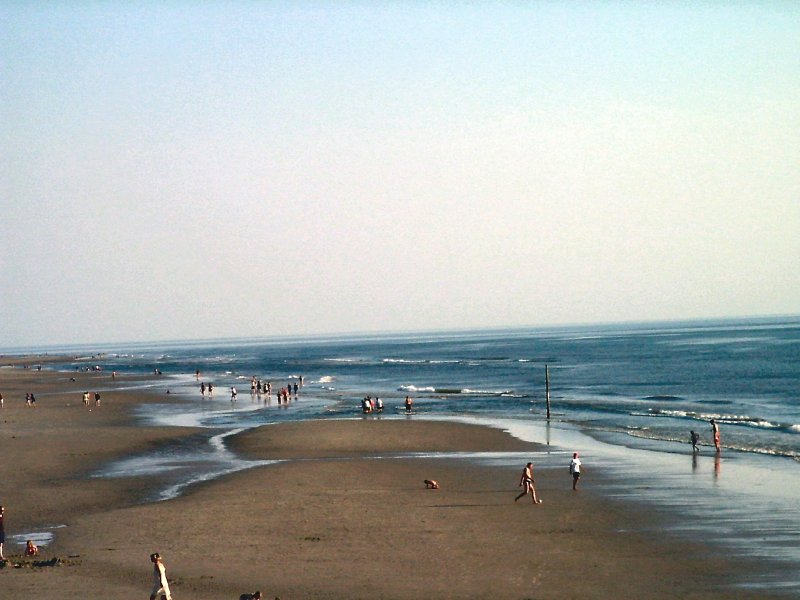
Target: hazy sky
column 178, row 170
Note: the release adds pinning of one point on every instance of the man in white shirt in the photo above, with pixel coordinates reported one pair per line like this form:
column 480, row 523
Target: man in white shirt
column 575, row 470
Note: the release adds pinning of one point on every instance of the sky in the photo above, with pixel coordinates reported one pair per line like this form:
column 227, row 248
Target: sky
column 182, row 170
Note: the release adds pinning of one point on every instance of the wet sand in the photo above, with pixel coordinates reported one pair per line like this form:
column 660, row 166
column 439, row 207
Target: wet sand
column 342, row 516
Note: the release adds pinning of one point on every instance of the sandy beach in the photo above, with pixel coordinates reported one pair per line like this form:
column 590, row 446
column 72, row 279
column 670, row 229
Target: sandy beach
column 340, row 516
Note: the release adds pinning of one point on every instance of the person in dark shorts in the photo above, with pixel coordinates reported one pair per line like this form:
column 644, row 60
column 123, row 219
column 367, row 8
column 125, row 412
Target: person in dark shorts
column 575, row 470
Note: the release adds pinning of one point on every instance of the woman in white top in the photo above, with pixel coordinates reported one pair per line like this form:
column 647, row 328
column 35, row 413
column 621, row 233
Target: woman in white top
column 160, row 585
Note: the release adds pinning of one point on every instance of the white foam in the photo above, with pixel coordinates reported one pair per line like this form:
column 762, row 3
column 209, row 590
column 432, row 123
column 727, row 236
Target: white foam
column 403, row 361
column 414, row 389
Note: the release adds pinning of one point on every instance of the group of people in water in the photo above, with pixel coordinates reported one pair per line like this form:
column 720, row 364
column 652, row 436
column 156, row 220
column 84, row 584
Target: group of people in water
column 259, row 388
column 371, row 405
column 375, row 405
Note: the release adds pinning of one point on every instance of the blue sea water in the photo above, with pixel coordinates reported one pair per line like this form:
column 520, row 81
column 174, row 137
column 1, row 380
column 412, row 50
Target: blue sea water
column 649, row 381
column 625, row 395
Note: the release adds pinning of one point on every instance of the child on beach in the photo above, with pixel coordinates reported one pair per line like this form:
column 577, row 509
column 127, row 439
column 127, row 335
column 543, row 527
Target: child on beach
column 31, row 549
column 694, row 437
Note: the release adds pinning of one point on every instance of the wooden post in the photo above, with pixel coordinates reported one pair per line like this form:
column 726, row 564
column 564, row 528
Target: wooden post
column 547, row 389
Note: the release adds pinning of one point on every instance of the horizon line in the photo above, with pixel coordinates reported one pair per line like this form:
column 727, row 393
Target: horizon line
column 42, row 349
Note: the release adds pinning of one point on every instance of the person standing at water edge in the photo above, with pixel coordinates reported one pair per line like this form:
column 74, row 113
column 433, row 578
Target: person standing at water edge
column 527, row 482
column 715, row 432
column 160, row 584
column 575, row 470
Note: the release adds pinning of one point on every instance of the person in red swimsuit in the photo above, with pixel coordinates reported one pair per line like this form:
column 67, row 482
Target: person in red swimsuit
column 715, row 431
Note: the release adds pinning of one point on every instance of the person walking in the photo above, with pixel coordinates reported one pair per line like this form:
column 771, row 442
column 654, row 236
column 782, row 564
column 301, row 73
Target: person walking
column 694, row 437
column 527, row 482
column 2, row 531
column 575, row 470
column 160, row 583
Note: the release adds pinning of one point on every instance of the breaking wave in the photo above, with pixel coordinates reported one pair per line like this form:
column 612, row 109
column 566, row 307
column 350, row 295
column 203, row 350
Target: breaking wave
column 465, row 391
column 745, row 420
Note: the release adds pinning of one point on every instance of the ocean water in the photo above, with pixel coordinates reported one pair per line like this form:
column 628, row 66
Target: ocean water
column 648, row 381
column 625, row 396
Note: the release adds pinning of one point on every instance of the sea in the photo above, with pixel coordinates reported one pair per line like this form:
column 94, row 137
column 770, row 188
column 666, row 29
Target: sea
column 626, row 396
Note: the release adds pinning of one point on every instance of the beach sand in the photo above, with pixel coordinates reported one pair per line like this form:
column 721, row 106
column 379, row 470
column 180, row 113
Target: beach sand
column 340, row 517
